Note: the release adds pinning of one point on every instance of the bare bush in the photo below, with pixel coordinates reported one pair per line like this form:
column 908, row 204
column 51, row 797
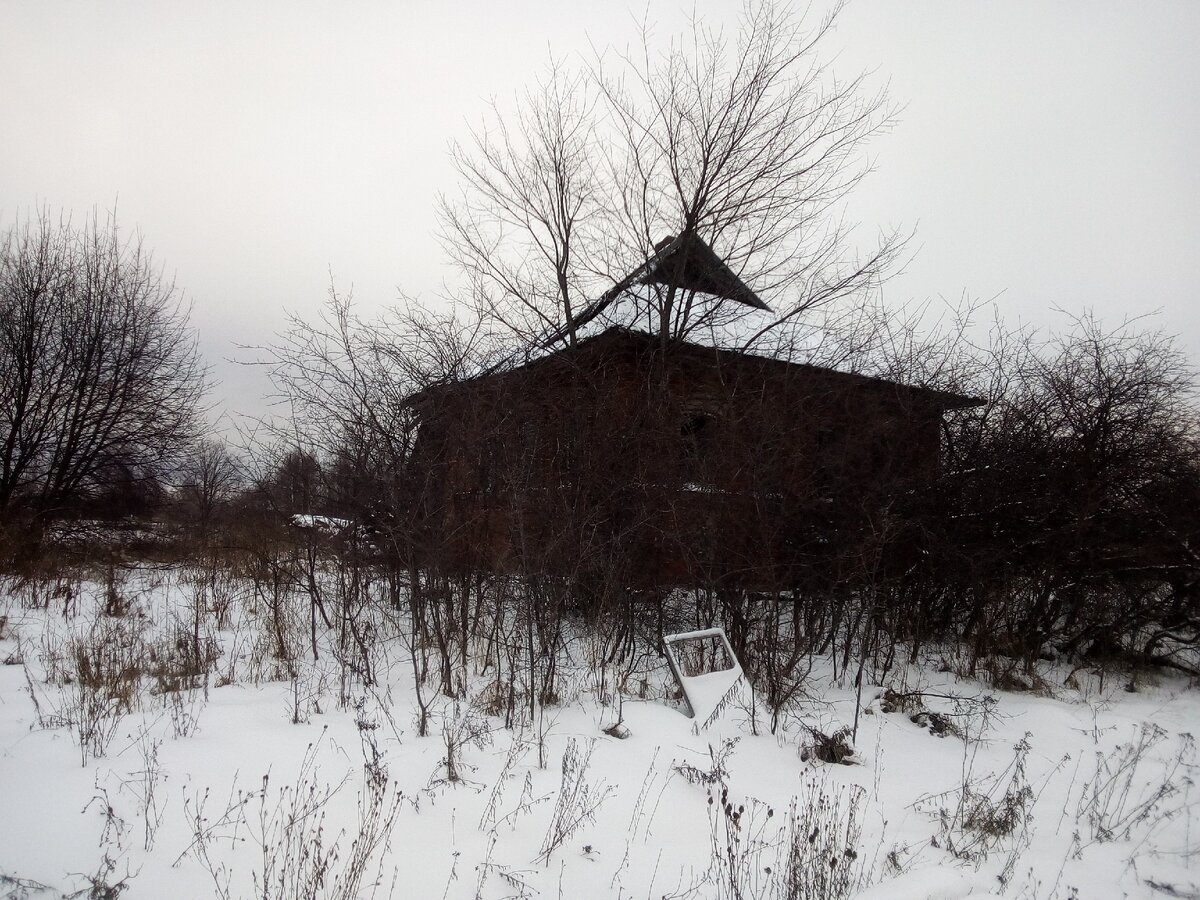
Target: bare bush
column 1133, row 792
column 577, row 801
column 462, row 727
column 1061, row 525
column 100, row 675
column 718, row 769
column 144, row 786
column 297, row 855
column 102, row 884
column 822, row 843
column 988, row 814
column 837, row 747
column 812, row 854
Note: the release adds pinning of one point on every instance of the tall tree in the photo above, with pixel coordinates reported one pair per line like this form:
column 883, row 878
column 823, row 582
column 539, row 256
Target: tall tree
column 99, row 371
column 524, row 226
column 749, row 144
column 209, row 478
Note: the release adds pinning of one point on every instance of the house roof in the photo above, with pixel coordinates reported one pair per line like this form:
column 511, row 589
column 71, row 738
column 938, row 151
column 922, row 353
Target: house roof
column 684, row 261
column 618, row 337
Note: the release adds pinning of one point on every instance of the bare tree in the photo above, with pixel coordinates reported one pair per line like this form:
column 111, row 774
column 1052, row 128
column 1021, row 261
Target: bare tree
column 748, row 144
column 98, row 366
column 350, row 386
column 210, row 477
column 348, row 381
column 524, row 226
column 751, row 144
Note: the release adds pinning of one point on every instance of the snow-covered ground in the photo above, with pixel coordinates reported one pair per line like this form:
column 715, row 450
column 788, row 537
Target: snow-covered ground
column 253, row 781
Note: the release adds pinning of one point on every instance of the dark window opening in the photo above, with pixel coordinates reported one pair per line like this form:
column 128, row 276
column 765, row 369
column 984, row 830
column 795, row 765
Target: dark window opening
column 823, row 463
column 696, row 438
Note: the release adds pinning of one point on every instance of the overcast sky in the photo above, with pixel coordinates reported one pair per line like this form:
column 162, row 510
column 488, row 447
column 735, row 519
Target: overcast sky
column 1046, row 154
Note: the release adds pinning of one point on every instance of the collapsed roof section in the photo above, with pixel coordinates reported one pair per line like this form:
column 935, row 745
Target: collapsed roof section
column 684, row 261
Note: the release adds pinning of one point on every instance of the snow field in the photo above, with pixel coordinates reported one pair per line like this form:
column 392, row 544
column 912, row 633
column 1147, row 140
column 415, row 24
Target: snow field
column 167, row 751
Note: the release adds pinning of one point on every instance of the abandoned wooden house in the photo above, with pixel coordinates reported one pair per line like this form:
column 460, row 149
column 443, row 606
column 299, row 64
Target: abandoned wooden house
column 630, row 461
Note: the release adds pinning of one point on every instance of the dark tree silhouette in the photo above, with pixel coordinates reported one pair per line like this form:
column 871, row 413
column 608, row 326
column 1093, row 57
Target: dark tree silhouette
column 99, row 373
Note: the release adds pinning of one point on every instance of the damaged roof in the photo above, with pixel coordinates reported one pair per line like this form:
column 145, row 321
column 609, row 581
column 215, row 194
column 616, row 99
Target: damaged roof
column 684, row 261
